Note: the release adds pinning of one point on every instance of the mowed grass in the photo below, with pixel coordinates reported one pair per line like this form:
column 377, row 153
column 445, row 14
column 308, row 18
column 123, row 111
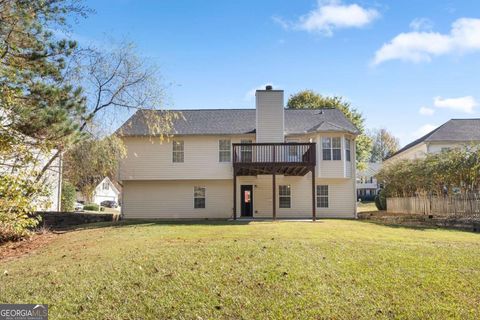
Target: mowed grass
column 260, row 270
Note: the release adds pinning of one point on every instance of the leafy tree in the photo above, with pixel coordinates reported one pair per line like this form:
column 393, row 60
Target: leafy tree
column 384, row 145
column 308, row 99
column 39, row 109
column 90, row 161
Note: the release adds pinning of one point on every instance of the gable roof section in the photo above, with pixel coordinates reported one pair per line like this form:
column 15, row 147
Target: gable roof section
column 454, row 130
column 242, row 121
column 107, row 179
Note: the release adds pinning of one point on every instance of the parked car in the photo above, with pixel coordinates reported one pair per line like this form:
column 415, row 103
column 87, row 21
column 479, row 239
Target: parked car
column 78, row 206
column 109, row 204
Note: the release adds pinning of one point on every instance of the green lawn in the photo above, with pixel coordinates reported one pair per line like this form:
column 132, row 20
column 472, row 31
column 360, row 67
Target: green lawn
column 261, row 270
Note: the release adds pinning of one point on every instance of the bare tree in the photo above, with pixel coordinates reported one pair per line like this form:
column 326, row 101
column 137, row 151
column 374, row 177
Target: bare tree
column 117, row 82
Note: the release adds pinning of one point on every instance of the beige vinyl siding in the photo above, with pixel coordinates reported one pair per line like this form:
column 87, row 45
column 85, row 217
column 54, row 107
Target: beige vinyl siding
column 415, row 152
column 341, row 197
column 174, row 199
column 150, row 159
column 270, row 116
column 330, row 168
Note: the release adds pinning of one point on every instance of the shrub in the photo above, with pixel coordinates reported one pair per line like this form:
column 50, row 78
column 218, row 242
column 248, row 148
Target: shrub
column 19, row 198
column 91, row 207
column 68, row 196
column 381, row 200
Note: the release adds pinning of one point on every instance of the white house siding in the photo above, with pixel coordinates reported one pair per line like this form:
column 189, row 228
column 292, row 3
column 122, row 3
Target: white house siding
column 270, row 116
column 150, row 159
column 103, row 195
column 53, row 182
column 174, row 199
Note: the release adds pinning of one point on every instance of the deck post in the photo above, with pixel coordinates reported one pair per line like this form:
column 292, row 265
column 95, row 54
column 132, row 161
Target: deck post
column 314, row 217
column 234, row 194
column 274, row 197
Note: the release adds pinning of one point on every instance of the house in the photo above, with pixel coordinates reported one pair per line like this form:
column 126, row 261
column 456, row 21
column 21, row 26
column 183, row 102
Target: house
column 367, row 185
column 454, row 133
column 266, row 162
column 105, row 190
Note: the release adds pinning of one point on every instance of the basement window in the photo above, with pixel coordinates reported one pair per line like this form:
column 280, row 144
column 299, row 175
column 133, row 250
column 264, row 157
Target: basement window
column 285, row 196
column 199, row 197
column 322, row 196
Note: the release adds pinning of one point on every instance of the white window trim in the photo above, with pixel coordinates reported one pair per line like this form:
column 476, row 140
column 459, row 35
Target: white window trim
column 204, row 197
column 230, row 150
column 332, row 148
column 290, row 196
column 349, row 149
column 322, row 196
column 176, row 151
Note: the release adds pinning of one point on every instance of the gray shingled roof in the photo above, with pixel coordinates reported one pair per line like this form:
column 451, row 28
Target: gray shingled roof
column 242, row 121
column 454, row 130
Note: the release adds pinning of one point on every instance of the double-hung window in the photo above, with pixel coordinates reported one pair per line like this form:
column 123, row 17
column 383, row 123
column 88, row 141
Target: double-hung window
column 285, row 196
column 322, row 196
column 331, row 148
column 199, row 197
column 224, row 150
column 348, row 154
column 178, row 151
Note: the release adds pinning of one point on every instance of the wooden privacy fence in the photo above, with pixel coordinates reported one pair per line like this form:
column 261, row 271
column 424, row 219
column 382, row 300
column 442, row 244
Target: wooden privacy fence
column 459, row 206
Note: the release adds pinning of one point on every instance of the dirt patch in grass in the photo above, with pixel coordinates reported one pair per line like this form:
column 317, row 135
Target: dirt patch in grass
column 12, row 250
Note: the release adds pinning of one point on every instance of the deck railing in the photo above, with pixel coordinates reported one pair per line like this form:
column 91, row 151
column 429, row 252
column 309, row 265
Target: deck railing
column 290, row 153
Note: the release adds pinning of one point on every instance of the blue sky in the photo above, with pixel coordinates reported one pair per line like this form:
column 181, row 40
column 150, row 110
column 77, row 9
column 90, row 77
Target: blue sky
column 407, row 65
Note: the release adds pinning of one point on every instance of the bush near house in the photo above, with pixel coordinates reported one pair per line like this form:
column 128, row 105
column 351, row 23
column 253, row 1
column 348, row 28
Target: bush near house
column 19, row 197
column 381, row 200
column 68, row 197
column 91, row 207
column 436, row 175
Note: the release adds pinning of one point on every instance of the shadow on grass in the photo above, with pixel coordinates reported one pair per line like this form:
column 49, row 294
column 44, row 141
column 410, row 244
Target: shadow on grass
column 153, row 222
column 417, row 227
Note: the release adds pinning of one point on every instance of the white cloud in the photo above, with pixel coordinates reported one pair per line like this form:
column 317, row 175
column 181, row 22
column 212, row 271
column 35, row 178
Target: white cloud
column 417, row 46
column 421, row 24
column 425, row 111
column 423, row 130
column 331, row 15
column 463, row 104
column 251, row 93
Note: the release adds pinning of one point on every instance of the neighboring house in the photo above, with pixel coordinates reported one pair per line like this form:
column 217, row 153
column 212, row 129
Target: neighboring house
column 454, row 133
column 105, row 190
column 229, row 163
column 367, row 185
